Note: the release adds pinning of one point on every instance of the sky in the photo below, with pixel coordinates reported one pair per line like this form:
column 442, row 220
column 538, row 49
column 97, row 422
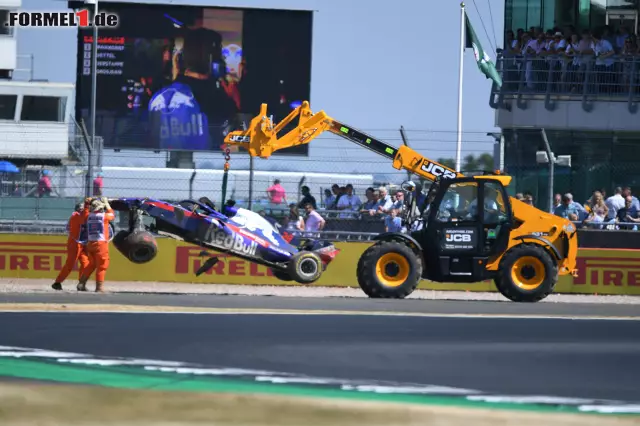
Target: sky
column 399, row 67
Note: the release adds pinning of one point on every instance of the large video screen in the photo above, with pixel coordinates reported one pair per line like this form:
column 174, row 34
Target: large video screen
column 180, row 77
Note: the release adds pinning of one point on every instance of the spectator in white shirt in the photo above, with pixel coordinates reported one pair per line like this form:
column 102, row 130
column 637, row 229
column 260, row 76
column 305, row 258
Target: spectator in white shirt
column 604, row 67
column 385, row 200
column 614, row 203
column 572, row 62
column 533, row 50
column 556, row 49
column 349, row 202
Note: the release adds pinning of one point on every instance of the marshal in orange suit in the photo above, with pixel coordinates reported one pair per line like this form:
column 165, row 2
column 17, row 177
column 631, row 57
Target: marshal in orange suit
column 75, row 247
column 97, row 219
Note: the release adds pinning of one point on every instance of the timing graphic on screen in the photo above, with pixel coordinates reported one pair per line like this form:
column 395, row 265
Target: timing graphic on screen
column 180, row 78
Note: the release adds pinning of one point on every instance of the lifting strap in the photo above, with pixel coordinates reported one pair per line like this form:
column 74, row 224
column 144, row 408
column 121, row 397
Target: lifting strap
column 225, row 176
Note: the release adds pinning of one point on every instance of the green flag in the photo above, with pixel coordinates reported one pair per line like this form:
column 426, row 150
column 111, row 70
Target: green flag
column 484, row 62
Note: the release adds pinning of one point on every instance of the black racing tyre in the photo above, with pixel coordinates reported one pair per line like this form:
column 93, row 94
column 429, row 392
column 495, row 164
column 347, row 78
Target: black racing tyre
column 305, row 267
column 281, row 275
column 389, row 270
column 527, row 273
column 139, row 247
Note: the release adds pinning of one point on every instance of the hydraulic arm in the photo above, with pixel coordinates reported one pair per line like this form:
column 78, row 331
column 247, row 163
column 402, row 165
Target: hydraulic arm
column 261, row 140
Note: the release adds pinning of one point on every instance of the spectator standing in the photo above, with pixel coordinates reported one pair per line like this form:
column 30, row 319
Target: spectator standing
column 597, row 202
column 532, row 50
column 337, row 193
column 557, row 201
column 276, row 193
column 393, row 223
column 385, row 200
column 626, row 192
column 628, row 214
column 604, row 62
column 294, row 220
column 307, row 198
column 597, row 215
column 329, row 199
column 398, row 203
column 370, row 202
column 348, row 201
column 98, row 185
column 621, row 39
column 314, row 222
column 371, row 207
column 615, row 203
column 528, row 198
column 570, row 208
column 45, row 188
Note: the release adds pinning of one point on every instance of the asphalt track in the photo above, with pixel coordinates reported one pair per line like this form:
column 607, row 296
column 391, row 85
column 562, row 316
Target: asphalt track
column 451, row 307
column 510, row 356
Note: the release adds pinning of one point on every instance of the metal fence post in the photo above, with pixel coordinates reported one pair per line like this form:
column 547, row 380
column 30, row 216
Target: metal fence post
column 547, row 147
column 250, row 182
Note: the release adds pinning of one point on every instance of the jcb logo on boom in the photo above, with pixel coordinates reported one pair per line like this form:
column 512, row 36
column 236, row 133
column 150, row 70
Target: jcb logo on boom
column 458, row 238
column 238, row 138
column 437, row 170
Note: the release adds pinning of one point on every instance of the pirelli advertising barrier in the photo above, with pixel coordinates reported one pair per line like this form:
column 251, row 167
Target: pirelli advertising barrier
column 602, row 271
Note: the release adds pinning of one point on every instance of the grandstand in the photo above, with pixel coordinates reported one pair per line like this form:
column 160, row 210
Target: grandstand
column 575, row 72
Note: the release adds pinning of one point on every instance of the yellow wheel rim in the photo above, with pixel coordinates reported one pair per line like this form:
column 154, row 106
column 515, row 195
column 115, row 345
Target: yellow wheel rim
column 392, row 269
column 528, row 273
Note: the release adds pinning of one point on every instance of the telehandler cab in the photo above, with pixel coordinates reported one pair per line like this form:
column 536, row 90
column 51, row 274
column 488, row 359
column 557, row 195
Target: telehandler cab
column 450, row 239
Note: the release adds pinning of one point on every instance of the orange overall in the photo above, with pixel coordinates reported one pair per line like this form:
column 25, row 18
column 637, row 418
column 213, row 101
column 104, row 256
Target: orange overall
column 97, row 244
column 75, row 250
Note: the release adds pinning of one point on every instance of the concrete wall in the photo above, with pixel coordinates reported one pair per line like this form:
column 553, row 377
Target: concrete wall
column 604, row 116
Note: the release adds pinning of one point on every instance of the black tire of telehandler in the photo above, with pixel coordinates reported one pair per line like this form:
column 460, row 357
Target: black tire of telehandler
column 372, row 284
column 298, row 264
column 138, row 247
column 509, row 289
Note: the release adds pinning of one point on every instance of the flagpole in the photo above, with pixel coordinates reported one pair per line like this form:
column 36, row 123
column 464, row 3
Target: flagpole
column 460, row 74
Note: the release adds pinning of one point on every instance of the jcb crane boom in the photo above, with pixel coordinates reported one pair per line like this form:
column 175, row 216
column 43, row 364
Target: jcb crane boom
column 261, row 140
column 520, row 247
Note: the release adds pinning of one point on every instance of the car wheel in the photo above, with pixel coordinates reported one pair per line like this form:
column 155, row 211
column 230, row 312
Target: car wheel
column 138, row 247
column 305, row 267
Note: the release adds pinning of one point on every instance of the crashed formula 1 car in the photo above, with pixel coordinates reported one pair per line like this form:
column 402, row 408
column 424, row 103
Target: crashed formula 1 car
column 239, row 232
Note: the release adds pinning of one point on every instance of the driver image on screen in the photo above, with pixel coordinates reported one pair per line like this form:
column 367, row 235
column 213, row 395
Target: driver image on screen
column 191, row 112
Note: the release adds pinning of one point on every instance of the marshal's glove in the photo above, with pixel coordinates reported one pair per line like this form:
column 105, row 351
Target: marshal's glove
column 105, row 201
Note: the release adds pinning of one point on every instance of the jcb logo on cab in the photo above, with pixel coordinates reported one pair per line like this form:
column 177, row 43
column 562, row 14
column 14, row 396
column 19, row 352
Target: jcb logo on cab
column 459, row 238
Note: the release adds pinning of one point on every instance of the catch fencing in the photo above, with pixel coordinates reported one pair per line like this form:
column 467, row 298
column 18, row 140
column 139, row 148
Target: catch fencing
column 615, row 78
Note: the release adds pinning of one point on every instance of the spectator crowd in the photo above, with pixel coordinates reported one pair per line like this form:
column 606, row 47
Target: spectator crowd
column 619, row 211
column 341, row 203
column 565, row 56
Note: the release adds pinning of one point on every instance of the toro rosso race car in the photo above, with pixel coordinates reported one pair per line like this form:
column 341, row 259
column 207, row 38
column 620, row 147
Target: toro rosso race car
column 239, row 232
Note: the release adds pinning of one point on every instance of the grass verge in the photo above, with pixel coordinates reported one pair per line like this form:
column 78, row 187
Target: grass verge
column 43, row 404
